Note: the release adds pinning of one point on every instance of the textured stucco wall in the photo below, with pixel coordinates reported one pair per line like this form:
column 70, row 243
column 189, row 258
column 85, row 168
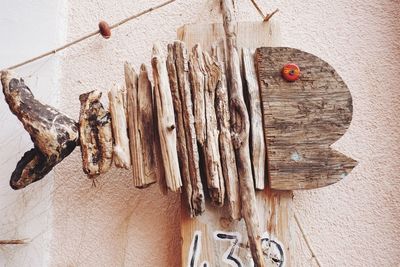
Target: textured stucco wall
column 27, row 29
column 352, row 223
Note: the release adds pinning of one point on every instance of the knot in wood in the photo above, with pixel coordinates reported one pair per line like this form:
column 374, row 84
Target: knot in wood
column 240, row 122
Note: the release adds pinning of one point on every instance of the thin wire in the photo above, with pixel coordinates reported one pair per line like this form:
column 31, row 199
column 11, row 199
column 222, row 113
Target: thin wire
column 51, row 52
column 306, row 239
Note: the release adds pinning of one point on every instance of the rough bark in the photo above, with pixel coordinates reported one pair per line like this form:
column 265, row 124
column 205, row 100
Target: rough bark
column 182, row 69
column 54, row 134
column 95, row 135
column 215, row 179
column 240, row 133
column 227, row 153
column 166, row 121
column 257, row 145
column 117, row 100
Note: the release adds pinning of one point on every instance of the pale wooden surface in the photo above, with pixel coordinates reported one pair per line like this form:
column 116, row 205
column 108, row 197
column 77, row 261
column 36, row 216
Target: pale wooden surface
column 140, row 126
column 165, row 121
column 302, row 119
column 212, row 159
column 227, row 153
column 181, row 56
column 117, row 101
column 257, row 143
column 274, row 207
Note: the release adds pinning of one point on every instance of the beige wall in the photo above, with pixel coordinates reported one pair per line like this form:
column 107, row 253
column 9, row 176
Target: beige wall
column 352, row 223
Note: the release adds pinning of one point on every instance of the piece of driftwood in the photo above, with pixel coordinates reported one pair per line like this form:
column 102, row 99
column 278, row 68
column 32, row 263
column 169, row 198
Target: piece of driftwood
column 302, row 119
column 140, row 126
column 117, row 101
column 219, row 240
column 180, row 128
column 182, row 70
column 197, row 80
column 215, row 179
column 54, row 134
column 166, row 121
column 257, row 144
column 227, row 153
column 240, row 133
column 95, row 135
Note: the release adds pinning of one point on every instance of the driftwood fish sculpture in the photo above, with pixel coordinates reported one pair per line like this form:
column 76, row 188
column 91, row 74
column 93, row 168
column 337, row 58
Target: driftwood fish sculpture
column 53, row 134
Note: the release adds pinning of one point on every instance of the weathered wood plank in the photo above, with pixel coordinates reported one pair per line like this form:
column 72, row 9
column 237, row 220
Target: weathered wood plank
column 181, row 62
column 95, row 135
column 117, row 101
column 180, row 128
column 227, row 153
column 257, row 145
column 302, row 119
column 215, row 179
column 197, row 80
column 141, row 129
column 166, row 121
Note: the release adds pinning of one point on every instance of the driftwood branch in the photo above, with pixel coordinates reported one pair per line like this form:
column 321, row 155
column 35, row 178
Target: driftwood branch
column 227, row 153
column 197, row 80
column 177, row 65
column 166, row 121
column 140, row 122
column 215, row 179
column 54, row 134
column 257, row 144
column 180, row 128
column 95, row 135
column 240, row 130
column 182, row 68
column 117, row 100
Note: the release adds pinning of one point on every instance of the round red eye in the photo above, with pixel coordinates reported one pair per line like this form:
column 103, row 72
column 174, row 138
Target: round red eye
column 290, row 72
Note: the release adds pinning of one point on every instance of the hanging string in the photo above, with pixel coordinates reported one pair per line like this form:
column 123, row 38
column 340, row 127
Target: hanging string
column 306, row 239
column 116, row 25
column 13, row 242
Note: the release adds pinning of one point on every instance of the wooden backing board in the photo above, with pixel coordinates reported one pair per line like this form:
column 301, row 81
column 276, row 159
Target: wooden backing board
column 302, row 119
column 212, row 239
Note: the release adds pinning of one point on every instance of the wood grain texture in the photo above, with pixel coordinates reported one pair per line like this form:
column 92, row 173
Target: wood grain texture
column 95, row 135
column 117, row 101
column 240, row 131
column 257, row 144
column 274, row 207
column 302, row 119
column 227, row 153
column 141, row 126
column 166, row 121
column 181, row 57
column 212, row 159
column 197, row 80
column 54, row 134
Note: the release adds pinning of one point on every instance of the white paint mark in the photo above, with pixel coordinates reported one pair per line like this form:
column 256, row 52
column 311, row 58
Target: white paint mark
column 296, row 156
